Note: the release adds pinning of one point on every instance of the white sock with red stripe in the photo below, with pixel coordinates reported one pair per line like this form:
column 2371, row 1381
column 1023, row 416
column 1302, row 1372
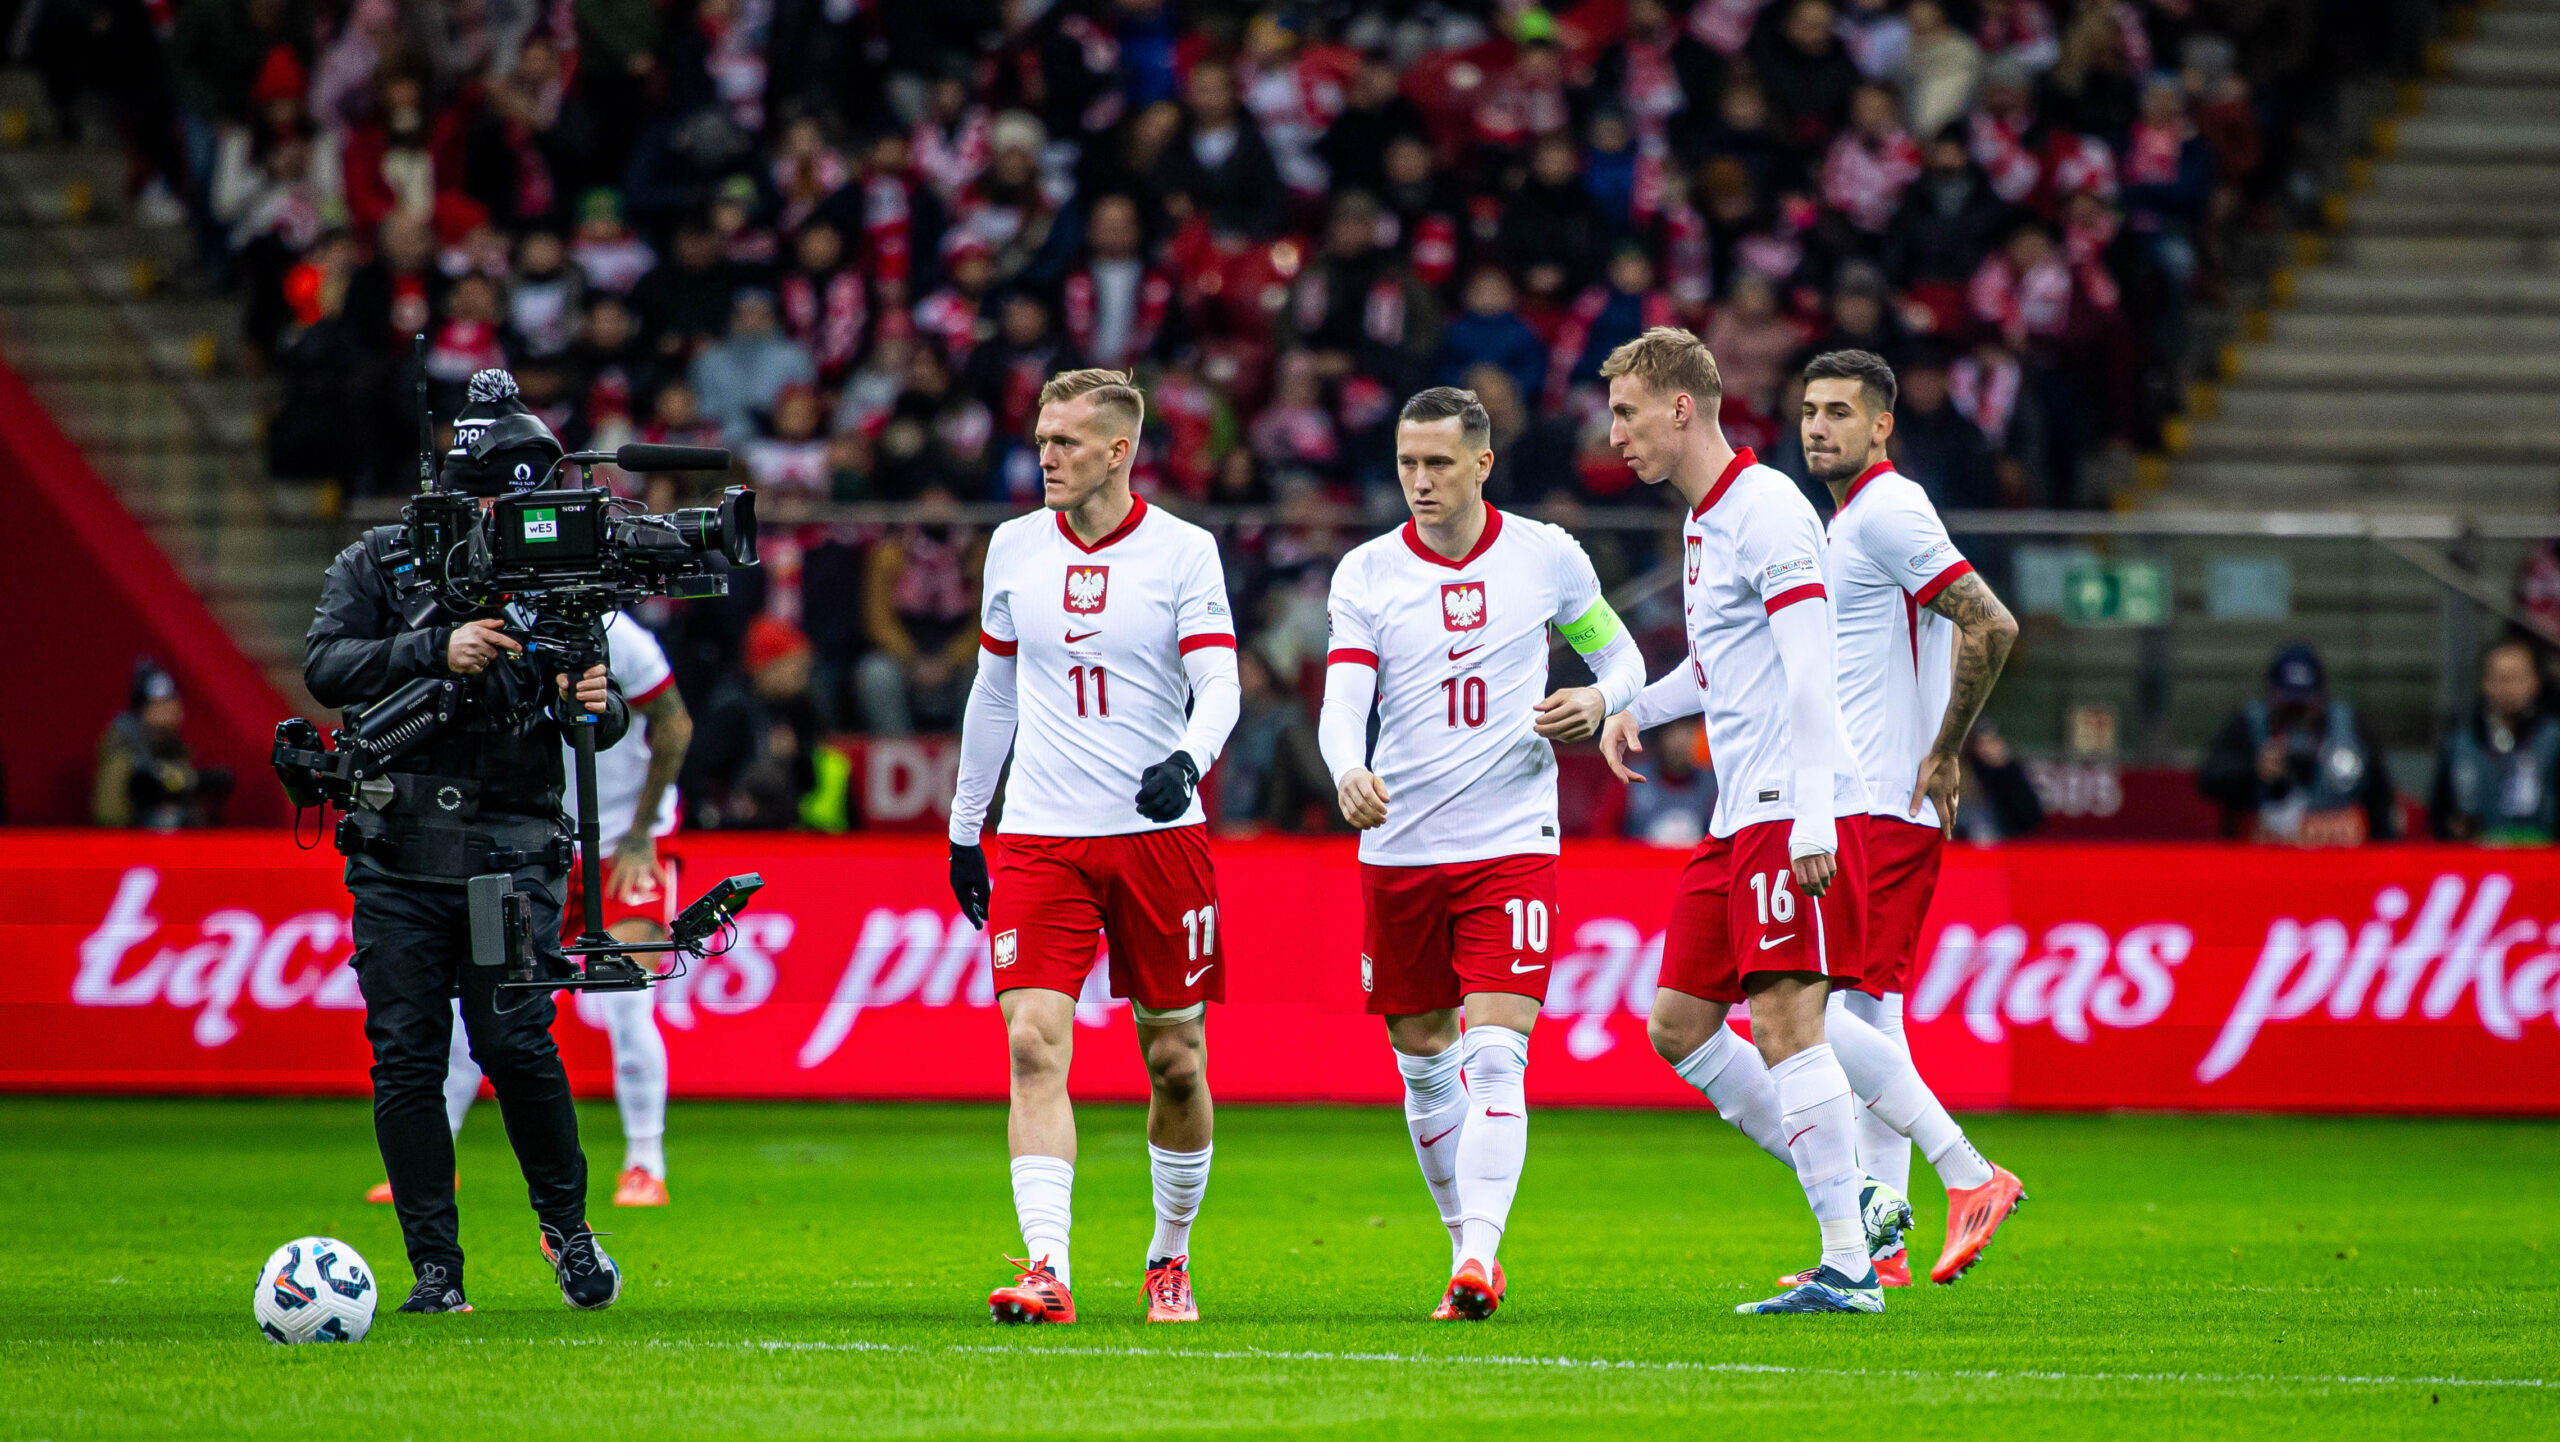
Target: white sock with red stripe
column 1435, row 1113
column 1822, row 1134
column 1883, row 1153
column 630, row 1018
column 1730, row 1073
column 1881, row 1071
column 1180, row 1178
column 1044, row 1198
column 1495, row 1141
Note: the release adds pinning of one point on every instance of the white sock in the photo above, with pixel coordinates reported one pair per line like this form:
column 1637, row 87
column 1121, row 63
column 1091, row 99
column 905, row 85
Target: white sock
column 1730, row 1073
column 1044, row 1198
column 1495, row 1141
column 1435, row 1113
column 1882, row 1073
column 1883, row 1153
column 1822, row 1123
column 461, row 1076
column 639, row 1076
column 1180, row 1178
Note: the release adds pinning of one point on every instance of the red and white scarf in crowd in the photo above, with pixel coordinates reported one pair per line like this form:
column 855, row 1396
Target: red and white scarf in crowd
column 2085, row 246
column 2079, row 162
column 1864, row 179
column 805, row 182
column 1689, row 275
column 1724, row 26
column 1574, row 334
column 1652, row 92
column 2037, row 303
column 949, row 160
column 826, row 313
column 2152, row 156
column 2026, row 32
column 1985, row 394
column 950, row 319
column 1999, row 147
column 1083, row 305
column 887, row 217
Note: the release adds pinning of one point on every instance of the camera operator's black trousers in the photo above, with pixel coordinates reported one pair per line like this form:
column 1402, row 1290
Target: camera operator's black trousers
column 413, row 951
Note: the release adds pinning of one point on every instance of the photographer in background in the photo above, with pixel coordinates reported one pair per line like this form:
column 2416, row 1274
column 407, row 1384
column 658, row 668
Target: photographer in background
column 2495, row 778
column 482, row 795
column 147, row 776
column 2300, row 767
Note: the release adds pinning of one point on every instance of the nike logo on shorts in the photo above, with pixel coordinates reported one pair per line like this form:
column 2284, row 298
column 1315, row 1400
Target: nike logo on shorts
column 1073, row 638
column 1769, row 941
column 1193, row 979
column 1518, row 970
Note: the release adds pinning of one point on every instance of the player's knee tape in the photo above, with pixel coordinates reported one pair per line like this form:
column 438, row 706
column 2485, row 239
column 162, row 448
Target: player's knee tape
column 1175, row 1017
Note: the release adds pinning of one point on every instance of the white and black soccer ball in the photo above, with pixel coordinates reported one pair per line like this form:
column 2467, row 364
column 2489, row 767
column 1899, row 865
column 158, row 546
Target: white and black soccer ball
column 315, row 1289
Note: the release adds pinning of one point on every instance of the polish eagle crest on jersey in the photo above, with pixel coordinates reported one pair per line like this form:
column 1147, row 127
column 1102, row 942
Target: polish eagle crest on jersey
column 1087, row 588
column 1695, row 550
column 1462, row 605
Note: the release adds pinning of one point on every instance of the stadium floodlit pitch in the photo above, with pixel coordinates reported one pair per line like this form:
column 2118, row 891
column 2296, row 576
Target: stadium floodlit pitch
column 823, row 1270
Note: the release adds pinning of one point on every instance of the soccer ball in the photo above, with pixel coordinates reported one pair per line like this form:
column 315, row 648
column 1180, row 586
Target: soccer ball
column 314, row 1289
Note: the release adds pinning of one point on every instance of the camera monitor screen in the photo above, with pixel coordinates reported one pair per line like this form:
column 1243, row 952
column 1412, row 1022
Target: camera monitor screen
column 550, row 528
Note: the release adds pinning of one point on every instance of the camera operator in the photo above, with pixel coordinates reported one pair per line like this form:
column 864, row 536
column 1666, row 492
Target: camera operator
column 483, row 796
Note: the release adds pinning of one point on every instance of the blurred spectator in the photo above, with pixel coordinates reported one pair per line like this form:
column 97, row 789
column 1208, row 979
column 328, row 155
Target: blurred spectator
column 754, row 754
column 1271, row 771
column 2300, row 766
column 1940, row 69
column 1679, row 795
column 791, row 459
column 1552, row 219
column 1935, row 445
column 1752, row 343
column 920, row 608
column 1999, row 801
column 2498, row 775
column 1119, row 309
column 147, row 777
column 743, row 373
column 1807, row 70
column 1871, row 161
column 1490, row 332
column 1218, row 162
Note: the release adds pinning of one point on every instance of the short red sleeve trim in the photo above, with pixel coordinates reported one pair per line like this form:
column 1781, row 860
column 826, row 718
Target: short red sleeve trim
column 1351, row 656
column 1941, row 581
column 1207, row 639
column 995, row 647
column 1811, row 591
column 665, row 684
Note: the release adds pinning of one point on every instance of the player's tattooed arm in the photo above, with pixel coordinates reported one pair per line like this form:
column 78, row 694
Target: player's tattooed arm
column 670, row 736
column 1984, row 633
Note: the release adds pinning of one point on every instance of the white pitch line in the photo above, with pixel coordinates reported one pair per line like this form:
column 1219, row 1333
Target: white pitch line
column 1581, row 1364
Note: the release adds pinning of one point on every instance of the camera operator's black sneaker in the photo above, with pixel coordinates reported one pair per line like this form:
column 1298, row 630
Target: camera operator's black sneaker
column 589, row 1281
column 435, row 1292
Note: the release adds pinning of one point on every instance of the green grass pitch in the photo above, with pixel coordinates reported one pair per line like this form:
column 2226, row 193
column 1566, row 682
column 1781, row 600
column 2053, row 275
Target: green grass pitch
column 823, row 1270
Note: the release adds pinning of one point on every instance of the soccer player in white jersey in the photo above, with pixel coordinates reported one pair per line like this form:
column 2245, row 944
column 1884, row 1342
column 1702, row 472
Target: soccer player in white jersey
column 1921, row 641
column 1102, row 617
column 1443, row 623
column 1771, row 907
column 635, row 806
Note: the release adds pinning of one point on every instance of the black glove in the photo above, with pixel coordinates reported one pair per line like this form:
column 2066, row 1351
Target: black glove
column 969, row 882
column 1164, row 792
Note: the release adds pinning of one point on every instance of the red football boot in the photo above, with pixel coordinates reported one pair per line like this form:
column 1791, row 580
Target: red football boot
column 1035, row 1296
column 1168, row 1289
column 1973, row 1215
column 1471, row 1297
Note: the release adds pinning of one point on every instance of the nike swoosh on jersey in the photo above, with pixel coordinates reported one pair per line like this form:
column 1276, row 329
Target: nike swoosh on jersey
column 1457, row 655
column 1518, row 970
column 1073, row 638
column 1193, row 978
column 1767, row 942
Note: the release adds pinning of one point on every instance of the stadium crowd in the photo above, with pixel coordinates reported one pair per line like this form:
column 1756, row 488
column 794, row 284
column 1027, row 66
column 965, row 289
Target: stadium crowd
column 849, row 240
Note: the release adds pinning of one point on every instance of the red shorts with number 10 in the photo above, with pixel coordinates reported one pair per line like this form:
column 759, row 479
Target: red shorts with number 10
column 1150, row 895
column 1738, row 913
column 1433, row 934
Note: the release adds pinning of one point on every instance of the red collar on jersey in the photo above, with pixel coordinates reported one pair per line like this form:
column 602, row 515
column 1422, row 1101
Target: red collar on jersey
column 1742, row 460
column 1137, row 513
column 1860, row 484
column 1484, row 543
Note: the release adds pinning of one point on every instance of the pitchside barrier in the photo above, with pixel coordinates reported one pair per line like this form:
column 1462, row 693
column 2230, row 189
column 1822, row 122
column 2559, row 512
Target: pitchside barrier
column 2387, row 979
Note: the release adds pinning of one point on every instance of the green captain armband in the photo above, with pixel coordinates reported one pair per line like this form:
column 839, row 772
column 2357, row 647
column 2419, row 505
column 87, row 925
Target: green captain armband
column 1594, row 629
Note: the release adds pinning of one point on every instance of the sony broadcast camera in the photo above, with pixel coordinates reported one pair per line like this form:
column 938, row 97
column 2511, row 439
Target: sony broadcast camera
column 558, row 556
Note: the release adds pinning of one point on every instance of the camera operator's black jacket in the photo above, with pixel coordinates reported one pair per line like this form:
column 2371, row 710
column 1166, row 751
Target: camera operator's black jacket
column 359, row 650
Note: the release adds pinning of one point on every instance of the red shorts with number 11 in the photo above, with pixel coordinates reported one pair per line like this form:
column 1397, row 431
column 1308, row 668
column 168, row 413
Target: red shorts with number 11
column 1150, row 895
column 1738, row 913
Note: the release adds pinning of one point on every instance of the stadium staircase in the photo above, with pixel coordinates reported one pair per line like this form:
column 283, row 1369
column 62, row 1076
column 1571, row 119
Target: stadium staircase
column 148, row 382
column 2406, row 361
